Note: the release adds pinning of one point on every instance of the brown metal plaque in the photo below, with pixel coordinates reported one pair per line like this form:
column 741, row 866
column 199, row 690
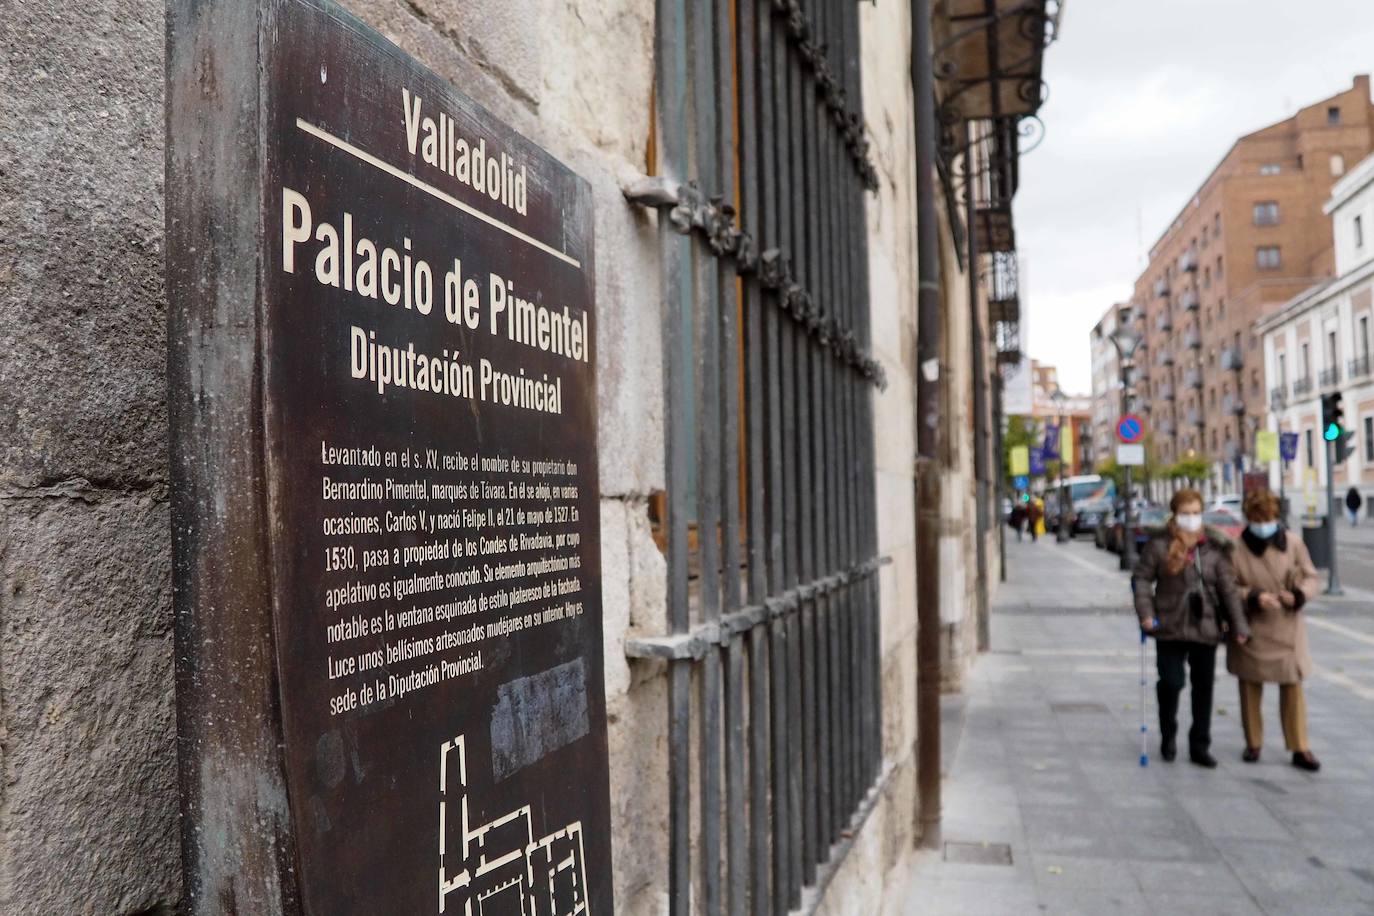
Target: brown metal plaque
column 425, row 421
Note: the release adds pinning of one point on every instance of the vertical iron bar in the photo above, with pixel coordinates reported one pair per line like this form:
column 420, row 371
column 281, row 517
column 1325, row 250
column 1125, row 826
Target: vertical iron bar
column 671, row 143
column 735, row 873
column 771, row 238
column 705, row 273
column 747, row 61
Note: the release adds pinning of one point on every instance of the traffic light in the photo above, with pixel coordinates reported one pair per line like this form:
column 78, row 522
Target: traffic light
column 1333, row 418
column 1345, row 447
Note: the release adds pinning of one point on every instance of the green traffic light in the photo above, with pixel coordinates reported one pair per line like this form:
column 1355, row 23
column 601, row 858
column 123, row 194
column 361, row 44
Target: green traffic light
column 1333, row 432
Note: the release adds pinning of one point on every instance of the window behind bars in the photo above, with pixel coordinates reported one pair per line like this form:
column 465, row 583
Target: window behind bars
column 773, row 649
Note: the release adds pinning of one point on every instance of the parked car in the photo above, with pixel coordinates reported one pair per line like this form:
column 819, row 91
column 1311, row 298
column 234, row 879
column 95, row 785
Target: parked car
column 1088, row 514
column 1143, row 523
column 1228, row 501
column 1226, row 521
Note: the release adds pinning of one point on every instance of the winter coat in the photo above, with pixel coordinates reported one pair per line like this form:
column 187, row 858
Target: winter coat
column 1353, row 500
column 1165, row 597
column 1277, row 651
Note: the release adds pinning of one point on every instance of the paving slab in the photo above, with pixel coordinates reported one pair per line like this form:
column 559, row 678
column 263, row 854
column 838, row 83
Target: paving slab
column 1042, row 753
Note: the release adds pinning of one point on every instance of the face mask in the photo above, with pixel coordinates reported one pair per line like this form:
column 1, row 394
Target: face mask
column 1191, row 523
column 1264, row 530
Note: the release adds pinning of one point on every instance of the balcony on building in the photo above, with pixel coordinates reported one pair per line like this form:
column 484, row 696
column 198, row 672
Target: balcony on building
column 1162, row 287
column 1329, row 377
column 1278, row 397
column 1188, row 261
column 1358, row 368
column 1192, row 339
column 1195, row 417
column 1302, row 386
column 1188, row 300
column 1232, row 359
column 1193, row 379
column 1165, row 357
column 1165, row 321
column 1233, row 405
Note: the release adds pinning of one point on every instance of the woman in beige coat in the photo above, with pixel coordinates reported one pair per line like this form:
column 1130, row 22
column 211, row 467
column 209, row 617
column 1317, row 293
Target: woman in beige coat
column 1276, row 575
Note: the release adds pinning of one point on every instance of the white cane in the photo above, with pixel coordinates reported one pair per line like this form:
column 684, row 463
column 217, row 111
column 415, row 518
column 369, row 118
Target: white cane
column 1144, row 754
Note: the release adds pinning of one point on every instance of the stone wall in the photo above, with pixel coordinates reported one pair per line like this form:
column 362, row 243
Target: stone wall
column 88, row 805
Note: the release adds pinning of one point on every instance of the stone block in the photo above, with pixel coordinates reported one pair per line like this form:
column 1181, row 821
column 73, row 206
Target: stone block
column 90, row 808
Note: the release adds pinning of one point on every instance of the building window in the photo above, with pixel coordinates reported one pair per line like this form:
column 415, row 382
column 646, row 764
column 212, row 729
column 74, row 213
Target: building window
column 1283, row 371
column 1364, row 336
column 1307, row 446
column 1267, row 213
column 1331, row 350
column 1333, row 114
column 1207, row 271
column 1305, row 363
column 1359, row 232
column 1270, row 168
column 1369, row 438
column 1267, row 257
column 1218, row 268
column 1337, row 164
column 1254, row 381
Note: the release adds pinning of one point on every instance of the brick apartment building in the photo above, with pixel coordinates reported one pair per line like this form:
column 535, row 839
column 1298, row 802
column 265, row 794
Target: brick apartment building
column 1250, row 238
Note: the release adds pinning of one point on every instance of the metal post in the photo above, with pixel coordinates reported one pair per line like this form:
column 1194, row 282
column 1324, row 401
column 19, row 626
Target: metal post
column 1127, row 529
column 1333, row 582
column 1061, row 531
column 980, row 380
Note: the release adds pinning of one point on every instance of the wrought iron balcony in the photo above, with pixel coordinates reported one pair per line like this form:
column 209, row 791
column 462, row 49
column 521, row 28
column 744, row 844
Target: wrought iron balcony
column 1188, row 261
column 1232, row 359
column 1004, row 303
column 1165, row 357
column 1302, row 386
column 1192, row 339
column 1192, row 379
column 1358, row 368
column 1165, row 321
column 1278, row 397
column 1188, row 300
column 1329, row 377
column 1233, row 404
column 1162, row 287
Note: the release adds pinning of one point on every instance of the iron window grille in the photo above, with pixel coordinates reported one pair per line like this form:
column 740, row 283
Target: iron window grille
column 773, row 650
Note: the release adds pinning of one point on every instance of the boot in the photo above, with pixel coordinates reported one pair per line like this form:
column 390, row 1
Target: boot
column 1304, row 760
column 1168, row 749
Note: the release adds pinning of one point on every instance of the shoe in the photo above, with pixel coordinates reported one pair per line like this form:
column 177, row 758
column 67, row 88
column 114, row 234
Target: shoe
column 1304, row 760
column 1168, row 749
column 1251, row 755
column 1203, row 759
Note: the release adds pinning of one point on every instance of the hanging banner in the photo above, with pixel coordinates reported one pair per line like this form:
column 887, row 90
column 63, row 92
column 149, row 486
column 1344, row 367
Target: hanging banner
column 1266, row 445
column 1018, row 461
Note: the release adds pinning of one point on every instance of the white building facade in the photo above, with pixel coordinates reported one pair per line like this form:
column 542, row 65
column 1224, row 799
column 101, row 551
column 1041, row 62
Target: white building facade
column 1319, row 343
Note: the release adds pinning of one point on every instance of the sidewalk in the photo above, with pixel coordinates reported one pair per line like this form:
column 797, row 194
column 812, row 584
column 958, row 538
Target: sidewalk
column 1042, row 754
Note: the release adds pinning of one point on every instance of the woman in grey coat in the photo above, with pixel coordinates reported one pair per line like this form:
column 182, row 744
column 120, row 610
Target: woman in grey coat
column 1186, row 598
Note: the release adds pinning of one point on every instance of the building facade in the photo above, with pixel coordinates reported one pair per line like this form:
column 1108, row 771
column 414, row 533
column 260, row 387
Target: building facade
column 1106, row 378
column 1319, row 343
column 1250, row 238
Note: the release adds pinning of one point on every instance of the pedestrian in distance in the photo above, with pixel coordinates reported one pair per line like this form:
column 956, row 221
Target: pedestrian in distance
column 1353, row 501
column 1276, row 576
column 1018, row 519
column 1035, row 516
column 1186, row 598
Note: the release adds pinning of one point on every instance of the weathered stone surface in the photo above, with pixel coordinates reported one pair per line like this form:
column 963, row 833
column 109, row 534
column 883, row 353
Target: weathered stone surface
column 82, row 315
column 88, row 820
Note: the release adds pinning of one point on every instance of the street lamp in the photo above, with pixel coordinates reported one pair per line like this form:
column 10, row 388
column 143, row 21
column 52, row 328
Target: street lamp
column 1126, row 342
column 1062, row 531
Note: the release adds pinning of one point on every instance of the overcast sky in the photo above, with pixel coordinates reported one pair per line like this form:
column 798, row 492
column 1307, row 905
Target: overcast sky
column 1144, row 99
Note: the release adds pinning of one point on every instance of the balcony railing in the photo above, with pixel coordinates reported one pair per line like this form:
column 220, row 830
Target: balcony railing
column 1231, row 404
column 1232, row 359
column 1192, row 379
column 1278, row 397
column 1358, row 368
column 1165, row 322
column 1192, row 340
column 1329, row 377
column 1188, row 300
column 1302, row 386
column 1188, row 261
column 1162, row 287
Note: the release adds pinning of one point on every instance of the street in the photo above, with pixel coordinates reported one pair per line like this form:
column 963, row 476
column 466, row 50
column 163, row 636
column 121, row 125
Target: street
column 1355, row 554
column 1042, row 753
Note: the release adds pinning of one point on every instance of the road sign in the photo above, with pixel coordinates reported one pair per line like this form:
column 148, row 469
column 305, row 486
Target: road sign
column 1021, row 482
column 1288, row 446
column 1130, row 454
column 1130, row 429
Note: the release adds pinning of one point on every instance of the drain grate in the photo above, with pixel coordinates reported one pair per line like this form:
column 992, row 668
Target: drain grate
column 978, row 853
column 1079, row 708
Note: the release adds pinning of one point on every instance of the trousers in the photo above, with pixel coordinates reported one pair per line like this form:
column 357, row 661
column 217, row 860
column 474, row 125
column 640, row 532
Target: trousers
column 1171, row 655
column 1292, row 713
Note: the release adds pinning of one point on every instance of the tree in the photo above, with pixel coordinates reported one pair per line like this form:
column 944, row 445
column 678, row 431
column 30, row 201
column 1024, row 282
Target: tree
column 1192, row 468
